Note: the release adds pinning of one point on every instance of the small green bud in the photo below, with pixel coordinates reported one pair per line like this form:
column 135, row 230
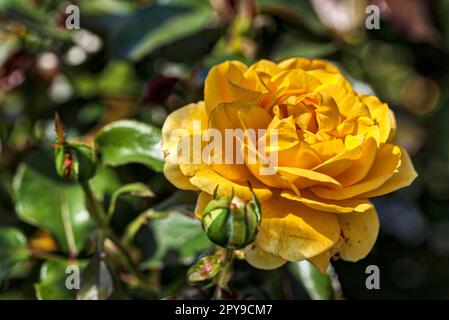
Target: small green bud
column 205, row 269
column 231, row 222
column 75, row 162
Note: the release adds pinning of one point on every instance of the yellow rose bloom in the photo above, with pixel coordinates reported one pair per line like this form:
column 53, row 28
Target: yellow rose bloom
column 334, row 148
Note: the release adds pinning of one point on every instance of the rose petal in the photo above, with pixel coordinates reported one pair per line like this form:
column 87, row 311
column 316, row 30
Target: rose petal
column 334, row 166
column 174, row 174
column 329, row 149
column 360, row 167
column 294, row 231
column 218, row 88
column 359, row 232
column 335, row 206
column 307, row 64
column 229, row 117
column 207, row 180
column 261, row 259
column 321, row 261
column 387, row 161
column 381, row 114
column 177, row 120
column 348, row 103
column 203, row 200
column 303, row 178
column 183, row 119
column 400, row 179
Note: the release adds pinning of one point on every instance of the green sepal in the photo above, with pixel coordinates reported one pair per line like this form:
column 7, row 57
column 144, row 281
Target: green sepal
column 75, row 162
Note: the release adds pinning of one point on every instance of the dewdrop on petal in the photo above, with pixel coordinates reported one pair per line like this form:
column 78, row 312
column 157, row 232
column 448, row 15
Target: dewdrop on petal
column 231, row 222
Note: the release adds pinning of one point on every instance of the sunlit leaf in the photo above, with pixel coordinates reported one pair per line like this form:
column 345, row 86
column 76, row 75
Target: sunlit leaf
column 178, row 27
column 318, row 285
column 136, row 34
column 129, row 141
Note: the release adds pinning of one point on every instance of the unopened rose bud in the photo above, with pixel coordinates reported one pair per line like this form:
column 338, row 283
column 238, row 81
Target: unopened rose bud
column 231, row 222
column 75, row 162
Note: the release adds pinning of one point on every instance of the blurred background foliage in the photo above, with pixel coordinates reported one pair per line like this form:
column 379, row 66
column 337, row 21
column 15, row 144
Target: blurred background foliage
column 142, row 59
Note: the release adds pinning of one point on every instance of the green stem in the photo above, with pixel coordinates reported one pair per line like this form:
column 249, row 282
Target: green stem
column 224, row 276
column 39, row 254
column 135, row 225
column 132, row 229
column 338, row 292
column 125, row 256
column 99, row 216
column 94, row 207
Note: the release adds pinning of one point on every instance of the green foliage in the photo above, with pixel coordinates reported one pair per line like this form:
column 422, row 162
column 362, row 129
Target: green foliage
column 45, row 201
column 177, row 23
column 97, row 282
column 128, row 141
column 53, row 277
column 14, row 254
column 178, row 239
column 39, row 19
column 118, row 79
column 135, row 189
column 318, row 285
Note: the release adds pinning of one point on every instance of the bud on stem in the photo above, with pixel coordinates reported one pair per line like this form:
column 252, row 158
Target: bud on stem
column 231, row 222
column 74, row 161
